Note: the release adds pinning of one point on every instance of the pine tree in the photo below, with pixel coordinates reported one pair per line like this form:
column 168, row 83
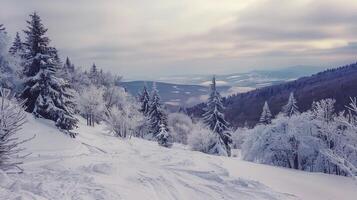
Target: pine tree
column 69, row 66
column 2, row 28
column 163, row 137
column 94, row 75
column 183, row 110
column 266, row 115
column 157, row 115
column 17, row 47
column 144, row 99
column 46, row 94
column 291, row 108
column 214, row 119
column 68, row 71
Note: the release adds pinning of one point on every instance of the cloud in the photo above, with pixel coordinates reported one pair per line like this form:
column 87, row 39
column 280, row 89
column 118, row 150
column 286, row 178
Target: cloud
column 161, row 37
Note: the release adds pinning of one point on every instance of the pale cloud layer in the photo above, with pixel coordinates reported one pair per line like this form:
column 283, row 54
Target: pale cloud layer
column 157, row 37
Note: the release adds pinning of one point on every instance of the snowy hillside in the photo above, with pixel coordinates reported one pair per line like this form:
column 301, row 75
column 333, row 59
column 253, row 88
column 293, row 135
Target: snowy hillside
column 96, row 165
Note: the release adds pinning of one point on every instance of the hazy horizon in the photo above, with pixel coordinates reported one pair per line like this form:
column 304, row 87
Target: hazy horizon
column 160, row 38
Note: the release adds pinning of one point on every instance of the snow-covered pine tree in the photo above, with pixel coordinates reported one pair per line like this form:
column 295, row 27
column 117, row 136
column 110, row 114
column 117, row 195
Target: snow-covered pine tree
column 94, row 75
column 163, row 137
column 266, row 115
column 291, row 108
column 46, row 94
column 157, row 115
column 144, row 99
column 214, row 119
column 67, row 71
column 17, row 47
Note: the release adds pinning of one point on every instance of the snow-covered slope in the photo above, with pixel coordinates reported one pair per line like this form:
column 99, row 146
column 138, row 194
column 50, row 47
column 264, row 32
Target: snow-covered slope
column 96, row 165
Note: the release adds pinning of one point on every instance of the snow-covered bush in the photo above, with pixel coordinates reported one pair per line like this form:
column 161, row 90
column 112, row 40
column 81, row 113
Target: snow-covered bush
column 180, row 126
column 201, row 138
column 163, row 137
column 287, row 142
column 12, row 117
column 91, row 104
column 122, row 116
column 122, row 122
column 317, row 140
column 117, row 96
column 9, row 64
column 239, row 137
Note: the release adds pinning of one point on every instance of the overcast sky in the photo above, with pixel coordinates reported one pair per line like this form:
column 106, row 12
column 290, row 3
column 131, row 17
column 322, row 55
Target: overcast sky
column 139, row 38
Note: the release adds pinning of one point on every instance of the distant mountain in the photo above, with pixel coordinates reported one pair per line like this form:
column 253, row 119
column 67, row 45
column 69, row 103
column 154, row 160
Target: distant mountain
column 253, row 79
column 190, row 90
column 339, row 83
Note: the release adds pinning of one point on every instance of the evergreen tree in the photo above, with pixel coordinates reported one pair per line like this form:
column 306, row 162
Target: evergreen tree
column 17, row 47
column 163, row 137
column 144, row 99
column 2, row 28
column 46, row 94
column 214, row 119
column 266, row 115
column 291, row 108
column 68, row 71
column 183, row 110
column 94, row 75
column 157, row 115
column 69, row 66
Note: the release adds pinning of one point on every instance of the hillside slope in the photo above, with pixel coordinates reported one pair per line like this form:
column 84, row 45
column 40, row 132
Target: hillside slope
column 98, row 166
column 339, row 83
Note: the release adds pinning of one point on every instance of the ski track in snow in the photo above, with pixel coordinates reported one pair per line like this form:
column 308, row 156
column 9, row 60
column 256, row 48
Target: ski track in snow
column 103, row 167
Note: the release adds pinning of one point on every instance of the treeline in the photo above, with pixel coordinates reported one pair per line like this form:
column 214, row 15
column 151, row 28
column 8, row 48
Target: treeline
column 339, row 83
column 318, row 140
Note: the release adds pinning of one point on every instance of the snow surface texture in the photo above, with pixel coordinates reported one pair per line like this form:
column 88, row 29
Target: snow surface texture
column 98, row 166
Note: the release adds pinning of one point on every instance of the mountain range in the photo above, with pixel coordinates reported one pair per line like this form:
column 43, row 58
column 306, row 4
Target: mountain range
column 245, row 108
column 189, row 90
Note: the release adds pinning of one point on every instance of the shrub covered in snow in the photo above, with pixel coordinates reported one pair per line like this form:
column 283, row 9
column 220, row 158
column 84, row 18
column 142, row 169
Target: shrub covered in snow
column 12, row 117
column 163, row 137
column 239, row 136
column 9, row 64
column 91, row 104
column 201, row 138
column 122, row 115
column 317, row 140
column 180, row 126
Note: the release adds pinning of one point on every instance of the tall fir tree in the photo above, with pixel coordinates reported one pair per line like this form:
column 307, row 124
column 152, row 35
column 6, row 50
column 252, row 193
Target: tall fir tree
column 67, row 71
column 265, row 117
column 157, row 115
column 17, row 47
column 46, row 94
column 291, row 108
column 93, row 75
column 214, row 119
column 144, row 99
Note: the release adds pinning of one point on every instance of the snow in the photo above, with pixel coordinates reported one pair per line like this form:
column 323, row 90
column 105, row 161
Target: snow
column 97, row 165
column 236, row 90
column 219, row 83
